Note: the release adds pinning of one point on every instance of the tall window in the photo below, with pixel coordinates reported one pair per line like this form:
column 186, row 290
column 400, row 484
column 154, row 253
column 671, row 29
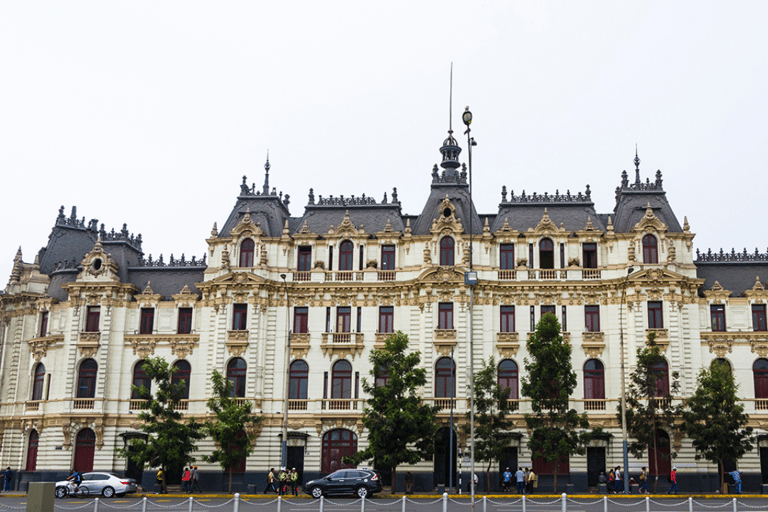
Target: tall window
column 343, row 319
column 337, row 444
column 85, row 443
column 547, row 309
column 507, row 377
column 39, row 382
column 650, row 249
column 717, row 315
column 661, row 372
column 382, row 377
column 34, row 441
column 92, row 319
column 446, row 251
column 299, row 380
column 240, row 465
column 387, row 257
column 346, row 250
column 546, row 253
column 589, row 255
column 760, row 371
column 147, row 320
column 592, row 318
column 240, row 317
column 305, row 258
column 301, row 320
column 236, row 370
column 341, row 380
column 386, row 319
column 507, row 253
column 655, row 315
column 246, row 253
column 43, row 323
column 445, row 378
column 185, row 321
column 182, row 373
column 594, row 380
column 758, row 317
column 86, row 379
column 140, row 379
column 507, row 319
column 445, row 315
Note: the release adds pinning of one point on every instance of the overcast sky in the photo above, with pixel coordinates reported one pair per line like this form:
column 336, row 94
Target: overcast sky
column 150, row 113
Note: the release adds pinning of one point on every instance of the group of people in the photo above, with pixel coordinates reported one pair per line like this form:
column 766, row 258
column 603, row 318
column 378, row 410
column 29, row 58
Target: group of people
column 284, row 482
column 525, row 478
column 190, row 480
column 615, row 484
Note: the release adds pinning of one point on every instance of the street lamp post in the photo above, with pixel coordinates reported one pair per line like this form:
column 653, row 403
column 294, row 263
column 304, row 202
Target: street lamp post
column 286, row 385
column 624, row 437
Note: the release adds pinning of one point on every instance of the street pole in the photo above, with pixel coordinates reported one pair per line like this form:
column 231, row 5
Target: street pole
column 624, row 436
column 286, row 384
column 450, row 444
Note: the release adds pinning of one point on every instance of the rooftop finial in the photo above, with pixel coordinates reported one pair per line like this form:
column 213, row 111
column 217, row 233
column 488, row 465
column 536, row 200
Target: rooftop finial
column 637, row 166
column 265, row 188
column 450, row 104
column 450, row 148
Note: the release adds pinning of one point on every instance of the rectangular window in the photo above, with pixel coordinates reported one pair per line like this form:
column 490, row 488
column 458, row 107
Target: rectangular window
column 362, row 255
column 343, row 319
column 533, row 318
column 185, row 321
column 592, row 318
column 565, row 319
column 562, row 255
column 330, row 258
column 758, row 317
column 301, row 320
column 44, row 323
column 240, row 317
column 445, row 315
column 386, row 319
column 147, row 320
column 589, row 256
column 655, row 315
column 357, row 384
column 359, row 323
column 547, row 309
column 507, row 256
column 327, row 319
column 92, row 319
column 507, row 318
column 530, row 257
column 325, row 384
column 305, row 259
column 717, row 313
column 387, row 257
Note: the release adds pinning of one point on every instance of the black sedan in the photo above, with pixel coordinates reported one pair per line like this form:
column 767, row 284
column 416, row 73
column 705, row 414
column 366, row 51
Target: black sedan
column 361, row 482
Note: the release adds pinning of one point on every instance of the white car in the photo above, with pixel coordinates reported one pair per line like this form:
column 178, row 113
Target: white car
column 106, row 484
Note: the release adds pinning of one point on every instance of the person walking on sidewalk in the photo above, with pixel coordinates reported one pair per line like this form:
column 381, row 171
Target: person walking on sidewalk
column 270, row 482
column 8, row 475
column 643, row 481
column 736, row 480
column 520, row 478
column 673, row 481
column 506, row 484
column 532, row 479
column 196, row 479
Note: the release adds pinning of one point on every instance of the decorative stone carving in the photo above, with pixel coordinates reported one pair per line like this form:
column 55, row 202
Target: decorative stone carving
column 143, row 346
column 507, row 343
column 342, row 344
column 38, row 347
column 444, row 340
column 661, row 339
column 237, row 342
column 593, row 343
column 88, row 343
column 299, row 345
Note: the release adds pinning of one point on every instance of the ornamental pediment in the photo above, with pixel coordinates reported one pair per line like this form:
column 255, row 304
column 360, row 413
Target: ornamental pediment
column 236, row 279
column 346, row 229
column 447, row 222
column 650, row 222
column 246, row 228
column 657, row 275
column 98, row 265
column 442, row 275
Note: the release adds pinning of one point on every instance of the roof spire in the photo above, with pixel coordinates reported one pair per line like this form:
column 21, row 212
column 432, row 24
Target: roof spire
column 265, row 188
column 450, row 104
column 637, row 166
column 450, row 148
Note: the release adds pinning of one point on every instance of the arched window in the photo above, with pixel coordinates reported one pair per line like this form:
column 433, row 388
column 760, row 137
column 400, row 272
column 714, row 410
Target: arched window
column 37, row 387
column 341, row 381
column 337, row 444
column 140, row 379
column 236, row 374
column 594, row 380
column 86, row 379
column 546, row 253
column 346, row 255
column 445, row 378
column 446, row 251
column 246, row 253
column 661, row 371
column 299, row 380
column 760, row 371
column 85, row 442
column 34, row 440
column 182, row 371
column 239, row 466
column 650, row 249
column 721, row 362
column 508, row 377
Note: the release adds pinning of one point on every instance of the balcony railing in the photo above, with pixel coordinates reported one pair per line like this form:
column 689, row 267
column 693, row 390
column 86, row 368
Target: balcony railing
column 547, row 273
column 594, row 405
column 183, row 405
column 302, row 276
column 339, row 404
column 138, row 405
column 33, row 405
column 761, row 404
column 386, row 275
column 507, row 275
column 590, row 273
column 297, row 405
column 81, row 404
column 344, row 276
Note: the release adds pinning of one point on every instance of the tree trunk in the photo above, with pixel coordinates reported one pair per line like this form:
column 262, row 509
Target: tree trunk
column 230, row 480
column 393, row 473
column 162, row 480
column 655, row 461
column 721, row 470
column 557, row 469
column 488, row 477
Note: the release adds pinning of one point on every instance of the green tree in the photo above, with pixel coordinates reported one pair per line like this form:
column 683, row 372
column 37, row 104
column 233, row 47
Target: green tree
column 170, row 440
column 401, row 428
column 715, row 421
column 649, row 408
column 492, row 424
column 549, row 383
column 231, row 429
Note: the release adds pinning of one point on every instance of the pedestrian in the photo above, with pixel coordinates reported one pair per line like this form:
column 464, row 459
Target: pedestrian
column 408, row 483
column 186, row 480
column 8, row 474
column 196, row 479
column 506, row 483
column 295, row 482
column 618, row 484
column 525, row 480
column 159, row 480
column 532, row 481
column 270, row 482
column 520, row 479
column 283, row 478
column 736, row 474
column 611, row 481
column 673, row 481
column 644, row 481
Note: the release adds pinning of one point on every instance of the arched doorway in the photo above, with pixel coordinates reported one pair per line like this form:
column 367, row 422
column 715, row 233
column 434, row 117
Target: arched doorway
column 85, row 444
column 34, row 440
column 337, row 444
column 660, row 454
column 442, row 459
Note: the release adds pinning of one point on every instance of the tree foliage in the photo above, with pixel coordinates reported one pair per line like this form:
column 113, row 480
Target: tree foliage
column 715, row 421
column 492, row 423
column 549, row 383
column 231, row 429
column 401, row 429
column 170, row 439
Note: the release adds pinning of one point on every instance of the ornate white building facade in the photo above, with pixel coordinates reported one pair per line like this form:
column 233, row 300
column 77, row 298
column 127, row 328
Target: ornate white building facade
column 336, row 281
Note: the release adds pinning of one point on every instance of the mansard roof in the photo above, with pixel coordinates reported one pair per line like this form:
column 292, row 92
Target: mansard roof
column 458, row 195
column 525, row 211
column 364, row 212
column 632, row 200
column 734, row 271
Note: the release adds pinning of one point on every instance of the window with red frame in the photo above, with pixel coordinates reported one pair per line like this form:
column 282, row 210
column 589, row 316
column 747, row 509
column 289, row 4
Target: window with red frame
column 39, row 382
column 445, row 378
column 86, row 379
column 140, row 379
column 43, row 323
column 650, row 249
column 182, row 373
column 185, row 321
column 387, row 257
column 246, row 253
column 337, row 444
column 147, row 320
column 592, row 318
column 446, row 251
column 445, row 315
column 346, row 255
column 92, row 319
column 760, row 373
column 343, row 319
column 507, row 377
column 717, row 315
column 341, row 380
column 305, row 259
column 758, row 317
column 236, row 372
column 387, row 319
column 240, row 317
column 594, row 380
column 301, row 320
column 507, row 319
column 589, row 255
column 546, row 253
column 661, row 373
column 655, row 315
column 299, row 380
column 507, row 256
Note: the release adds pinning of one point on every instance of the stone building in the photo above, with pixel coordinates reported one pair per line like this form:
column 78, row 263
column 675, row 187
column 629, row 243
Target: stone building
column 79, row 319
